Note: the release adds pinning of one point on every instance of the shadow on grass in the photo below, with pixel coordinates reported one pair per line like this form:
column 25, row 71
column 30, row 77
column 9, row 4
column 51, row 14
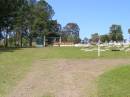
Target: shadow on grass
column 2, row 50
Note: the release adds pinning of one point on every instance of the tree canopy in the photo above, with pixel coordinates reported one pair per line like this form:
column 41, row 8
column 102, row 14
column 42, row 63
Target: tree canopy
column 21, row 17
column 116, row 33
column 71, row 33
column 95, row 37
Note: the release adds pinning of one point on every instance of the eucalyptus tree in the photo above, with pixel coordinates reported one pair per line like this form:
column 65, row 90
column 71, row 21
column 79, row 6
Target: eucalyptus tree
column 43, row 15
column 116, row 33
column 6, row 17
column 8, row 13
column 20, row 16
column 53, row 26
column 95, row 37
column 129, row 33
column 71, row 31
column 104, row 38
column 21, row 22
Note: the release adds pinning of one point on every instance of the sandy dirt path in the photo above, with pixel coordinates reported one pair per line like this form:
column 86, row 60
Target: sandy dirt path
column 64, row 78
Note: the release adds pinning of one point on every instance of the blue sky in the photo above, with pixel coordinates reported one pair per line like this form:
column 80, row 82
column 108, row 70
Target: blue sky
column 93, row 15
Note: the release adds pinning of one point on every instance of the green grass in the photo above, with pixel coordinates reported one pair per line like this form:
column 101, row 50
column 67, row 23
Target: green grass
column 115, row 83
column 14, row 63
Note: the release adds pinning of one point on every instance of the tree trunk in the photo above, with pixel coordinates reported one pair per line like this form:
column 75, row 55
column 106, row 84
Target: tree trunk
column 30, row 42
column 60, row 41
column 17, row 39
column 21, row 42
column 6, row 39
column 44, row 43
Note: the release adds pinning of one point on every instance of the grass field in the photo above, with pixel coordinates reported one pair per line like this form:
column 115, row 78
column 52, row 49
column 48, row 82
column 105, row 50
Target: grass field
column 115, row 83
column 14, row 63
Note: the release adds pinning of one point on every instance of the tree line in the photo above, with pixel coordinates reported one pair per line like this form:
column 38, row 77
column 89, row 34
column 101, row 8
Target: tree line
column 115, row 35
column 21, row 21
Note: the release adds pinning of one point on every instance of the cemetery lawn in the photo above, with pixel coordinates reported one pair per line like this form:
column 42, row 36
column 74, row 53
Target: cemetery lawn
column 115, row 83
column 15, row 63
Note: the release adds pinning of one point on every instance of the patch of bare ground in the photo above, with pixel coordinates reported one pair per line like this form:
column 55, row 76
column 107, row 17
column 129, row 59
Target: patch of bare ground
column 64, row 77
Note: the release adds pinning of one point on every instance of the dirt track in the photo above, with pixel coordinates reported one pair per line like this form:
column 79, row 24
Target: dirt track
column 64, row 78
